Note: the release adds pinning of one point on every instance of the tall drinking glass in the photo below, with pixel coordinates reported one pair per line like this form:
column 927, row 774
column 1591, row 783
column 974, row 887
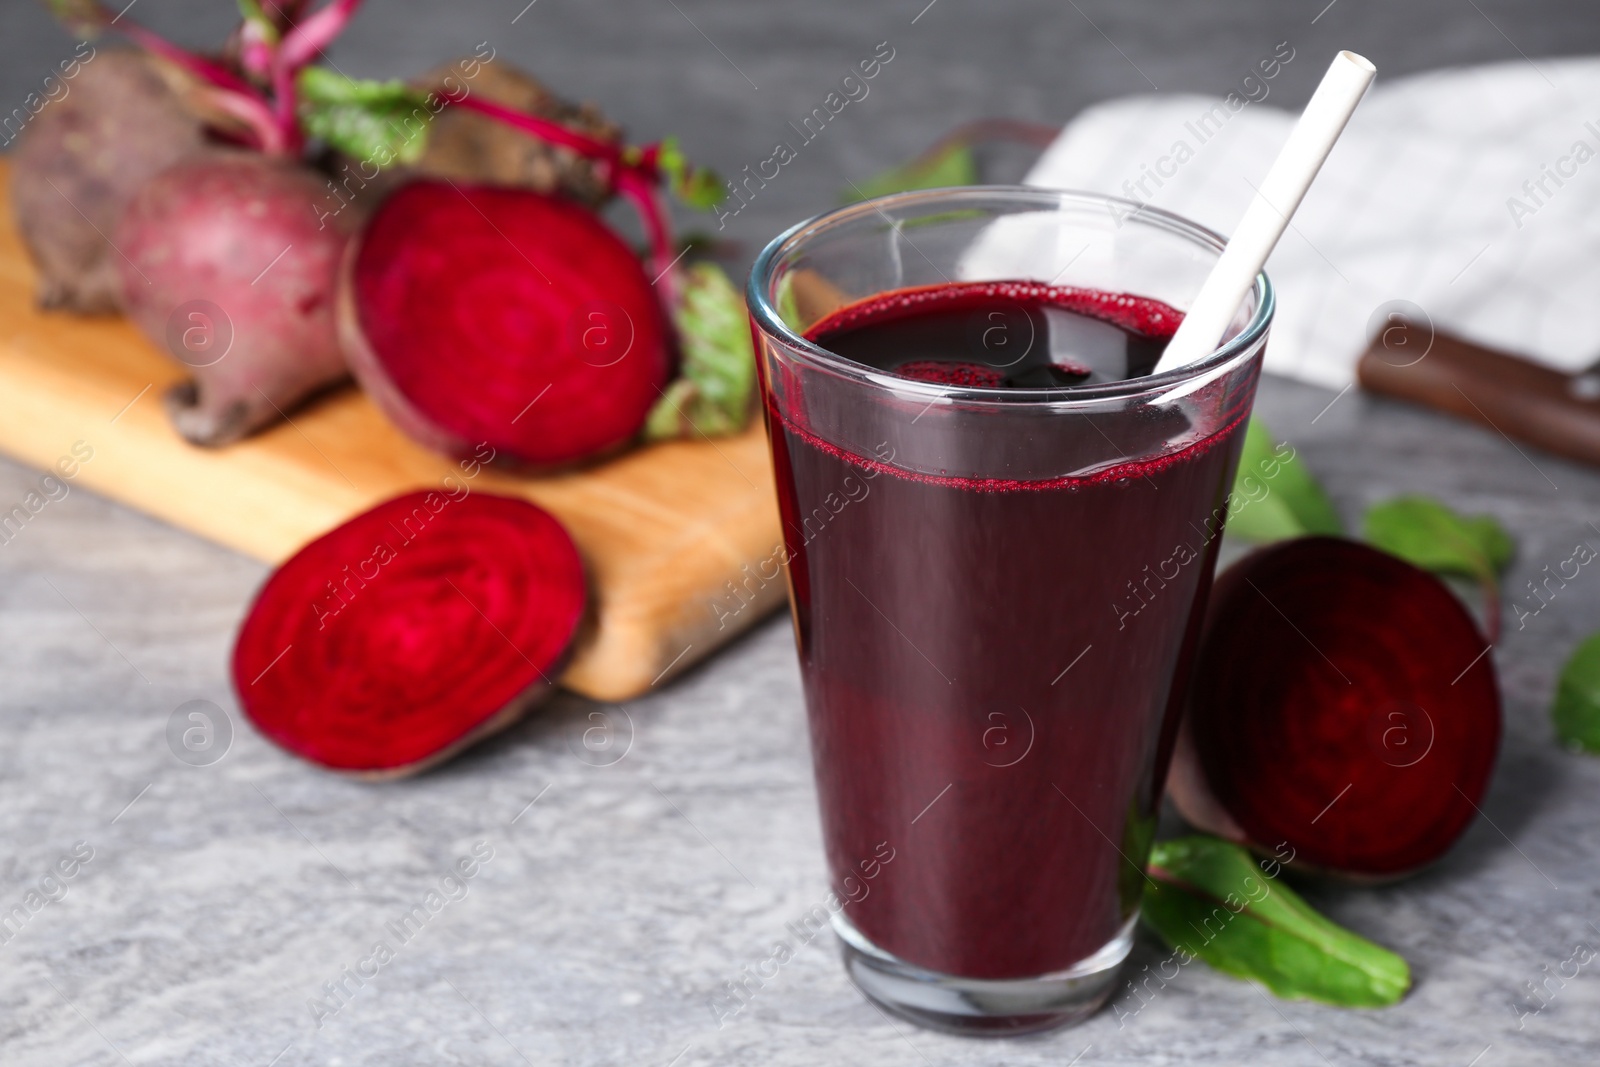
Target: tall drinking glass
column 996, row 593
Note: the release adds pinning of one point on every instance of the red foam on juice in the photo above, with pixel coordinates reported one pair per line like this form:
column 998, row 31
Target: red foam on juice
column 969, row 374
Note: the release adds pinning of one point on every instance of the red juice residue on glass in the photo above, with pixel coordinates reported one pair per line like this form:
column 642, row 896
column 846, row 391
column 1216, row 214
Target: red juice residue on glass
column 989, row 663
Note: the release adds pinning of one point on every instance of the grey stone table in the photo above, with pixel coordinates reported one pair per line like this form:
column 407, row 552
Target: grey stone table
column 631, row 877
column 224, row 914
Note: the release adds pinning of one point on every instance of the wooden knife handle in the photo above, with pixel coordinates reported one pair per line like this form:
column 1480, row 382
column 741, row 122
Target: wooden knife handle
column 1557, row 412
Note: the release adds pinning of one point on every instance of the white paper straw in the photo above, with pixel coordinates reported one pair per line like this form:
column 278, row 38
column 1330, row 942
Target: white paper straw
column 1269, row 212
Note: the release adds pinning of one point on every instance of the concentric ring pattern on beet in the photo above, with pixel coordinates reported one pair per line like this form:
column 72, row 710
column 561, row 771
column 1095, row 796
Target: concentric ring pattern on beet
column 1343, row 704
column 411, row 630
column 473, row 314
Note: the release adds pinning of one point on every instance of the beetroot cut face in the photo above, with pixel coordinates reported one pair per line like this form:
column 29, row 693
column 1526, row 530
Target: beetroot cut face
column 473, row 314
column 1343, row 704
column 410, row 631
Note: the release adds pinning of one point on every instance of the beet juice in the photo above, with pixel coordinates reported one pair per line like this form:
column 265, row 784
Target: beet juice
column 994, row 614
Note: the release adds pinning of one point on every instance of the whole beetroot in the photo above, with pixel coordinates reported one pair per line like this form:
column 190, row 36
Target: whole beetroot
column 225, row 265
column 466, row 146
column 119, row 121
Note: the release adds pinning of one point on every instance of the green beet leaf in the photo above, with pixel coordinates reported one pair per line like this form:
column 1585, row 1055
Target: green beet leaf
column 1577, row 706
column 1209, row 899
column 712, row 393
column 953, row 164
column 699, row 187
column 1426, row 534
column 384, row 122
column 82, row 18
column 1275, row 495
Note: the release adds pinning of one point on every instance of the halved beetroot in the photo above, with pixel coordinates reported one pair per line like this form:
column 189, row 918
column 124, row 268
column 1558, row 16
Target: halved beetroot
column 411, row 631
column 1343, row 704
column 477, row 315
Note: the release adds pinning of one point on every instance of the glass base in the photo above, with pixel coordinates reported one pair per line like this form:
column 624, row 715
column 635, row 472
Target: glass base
column 982, row 1007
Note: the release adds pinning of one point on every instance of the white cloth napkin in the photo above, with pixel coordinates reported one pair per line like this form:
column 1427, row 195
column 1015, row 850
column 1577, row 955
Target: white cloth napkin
column 1423, row 200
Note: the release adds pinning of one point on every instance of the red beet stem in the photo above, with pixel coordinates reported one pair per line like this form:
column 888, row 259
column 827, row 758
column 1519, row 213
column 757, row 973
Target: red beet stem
column 1343, row 704
column 286, row 12
column 274, row 123
column 633, row 173
column 227, row 90
column 300, row 46
column 206, row 70
column 285, row 105
column 305, row 42
column 410, row 631
column 642, row 192
column 255, row 50
column 544, row 129
column 266, row 134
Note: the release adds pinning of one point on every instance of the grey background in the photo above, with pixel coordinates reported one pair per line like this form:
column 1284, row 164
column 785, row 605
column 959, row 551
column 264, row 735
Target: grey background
column 662, row 67
column 222, row 898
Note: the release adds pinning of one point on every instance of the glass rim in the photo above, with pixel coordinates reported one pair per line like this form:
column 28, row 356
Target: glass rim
column 1233, row 349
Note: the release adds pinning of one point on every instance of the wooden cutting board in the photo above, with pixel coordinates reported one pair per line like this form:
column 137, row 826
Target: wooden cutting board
column 664, row 529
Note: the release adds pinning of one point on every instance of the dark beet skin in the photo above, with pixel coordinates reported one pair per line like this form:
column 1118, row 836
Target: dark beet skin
column 411, row 631
column 466, row 146
column 83, row 158
column 1341, row 704
column 475, row 314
